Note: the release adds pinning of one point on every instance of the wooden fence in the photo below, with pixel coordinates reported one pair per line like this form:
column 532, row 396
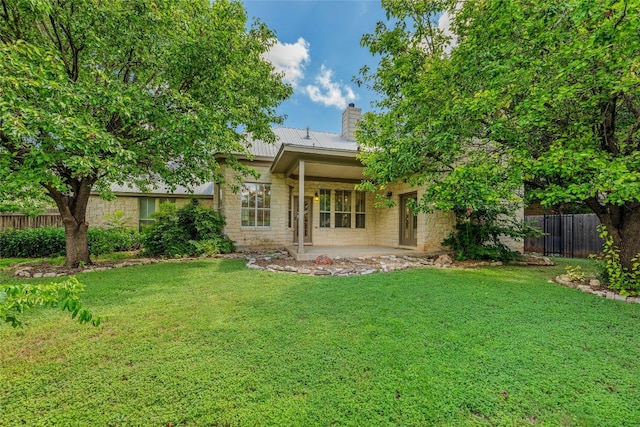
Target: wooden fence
column 20, row 222
column 573, row 236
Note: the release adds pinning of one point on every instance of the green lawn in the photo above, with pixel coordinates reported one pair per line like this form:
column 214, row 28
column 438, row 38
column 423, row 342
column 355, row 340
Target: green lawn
column 209, row 343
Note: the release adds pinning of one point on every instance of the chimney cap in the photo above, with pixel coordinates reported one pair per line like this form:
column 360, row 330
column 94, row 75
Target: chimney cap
column 351, row 104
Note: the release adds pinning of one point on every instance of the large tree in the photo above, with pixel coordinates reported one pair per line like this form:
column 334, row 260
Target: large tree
column 141, row 92
column 535, row 94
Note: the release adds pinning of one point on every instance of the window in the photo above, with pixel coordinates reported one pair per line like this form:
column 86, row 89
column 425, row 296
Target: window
column 256, row 205
column 361, row 208
column 325, row 208
column 343, row 209
column 290, row 204
column 147, row 209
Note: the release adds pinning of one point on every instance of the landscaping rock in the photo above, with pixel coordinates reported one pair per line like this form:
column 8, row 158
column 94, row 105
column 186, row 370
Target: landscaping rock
column 304, row 271
column 323, row 260
column 37, row 275
column 618, row 297
column 290, row 269
column 594, row 283
column 369, row 271
column 443, row 260
column 635, row 300
column 322, row 273
column 565, row 280
column 585, row 288
column 610, row 295
column 275, row 267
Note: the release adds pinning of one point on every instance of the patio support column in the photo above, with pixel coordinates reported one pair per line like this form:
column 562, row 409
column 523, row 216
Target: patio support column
column 301, row 206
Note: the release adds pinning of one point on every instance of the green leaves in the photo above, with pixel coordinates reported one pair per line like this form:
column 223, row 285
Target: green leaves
column 16, row 299
column 540, row 94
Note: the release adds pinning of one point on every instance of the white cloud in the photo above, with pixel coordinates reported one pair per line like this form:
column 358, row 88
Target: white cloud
column 444, row 23
column 290, row 59
column 329, row 92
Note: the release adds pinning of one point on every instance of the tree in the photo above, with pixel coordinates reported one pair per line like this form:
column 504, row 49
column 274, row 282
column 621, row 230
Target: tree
column 542, row 95
column 127, row 91
column 15, row 299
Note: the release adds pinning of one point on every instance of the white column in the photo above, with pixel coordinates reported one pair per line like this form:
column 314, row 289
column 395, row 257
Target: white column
column 301, row 206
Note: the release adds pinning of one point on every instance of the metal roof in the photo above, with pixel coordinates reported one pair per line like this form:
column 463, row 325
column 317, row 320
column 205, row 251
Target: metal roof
column 200, row 190
column 303, row 138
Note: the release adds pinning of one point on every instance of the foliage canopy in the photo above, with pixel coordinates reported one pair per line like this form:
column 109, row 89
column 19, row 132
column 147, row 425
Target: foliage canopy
column 520, row 94
column 127, row 91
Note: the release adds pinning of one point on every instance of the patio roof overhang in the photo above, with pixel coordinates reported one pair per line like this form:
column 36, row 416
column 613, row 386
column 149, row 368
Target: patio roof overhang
column 321, row 164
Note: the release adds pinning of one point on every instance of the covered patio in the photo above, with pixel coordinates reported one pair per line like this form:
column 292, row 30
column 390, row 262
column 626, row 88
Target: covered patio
column 312, row 252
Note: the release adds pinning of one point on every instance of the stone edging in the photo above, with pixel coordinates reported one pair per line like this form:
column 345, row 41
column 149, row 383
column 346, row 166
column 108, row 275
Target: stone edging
column 594, row 288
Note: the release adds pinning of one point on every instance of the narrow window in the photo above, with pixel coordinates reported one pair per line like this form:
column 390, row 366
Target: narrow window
column 343, row 209
column 255, row 205
column 361, row 208
column 147, row 207
column 325, row 208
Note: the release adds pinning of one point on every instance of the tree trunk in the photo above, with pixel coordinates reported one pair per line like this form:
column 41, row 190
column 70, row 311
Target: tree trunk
column 72, row 206
column 76, row 242
column 623, row 225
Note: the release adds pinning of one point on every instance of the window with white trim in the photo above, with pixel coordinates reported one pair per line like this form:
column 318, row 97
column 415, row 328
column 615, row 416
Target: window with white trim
column 343, row 208
column 361, row 208
column 325, row 208
column 256, row 205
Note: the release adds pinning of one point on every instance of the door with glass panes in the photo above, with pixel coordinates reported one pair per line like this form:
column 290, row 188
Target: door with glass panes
column 408, row 220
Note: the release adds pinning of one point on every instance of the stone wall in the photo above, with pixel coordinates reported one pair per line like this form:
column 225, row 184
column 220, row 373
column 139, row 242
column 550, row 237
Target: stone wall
column 97, row 208
column 381, row 224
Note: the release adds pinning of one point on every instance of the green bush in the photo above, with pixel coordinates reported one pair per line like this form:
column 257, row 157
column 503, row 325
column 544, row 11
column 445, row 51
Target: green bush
column 32, row 243
column 611, row 270
column 190, row 230
column 50, row 242
column 478, row 232
column 108, row 240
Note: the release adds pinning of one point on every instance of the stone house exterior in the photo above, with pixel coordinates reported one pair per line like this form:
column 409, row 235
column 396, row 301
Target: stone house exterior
column 137, row 207
column 304, row 171
column 316, row 173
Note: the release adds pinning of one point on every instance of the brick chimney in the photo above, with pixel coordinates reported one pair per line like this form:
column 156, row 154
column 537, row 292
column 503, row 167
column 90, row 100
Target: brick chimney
column 350, row 117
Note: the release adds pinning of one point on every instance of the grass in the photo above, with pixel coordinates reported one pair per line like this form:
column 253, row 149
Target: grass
column 209, row 343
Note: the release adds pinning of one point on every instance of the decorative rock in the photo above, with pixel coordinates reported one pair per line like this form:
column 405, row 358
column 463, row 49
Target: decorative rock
column 36, row 275
column 322, row 273
column 369, row 271
column 618, row 297
column 595, row 283
column 323, row 260
column 565, row 280
column 444, row 260
column 610, row 295
column 275, row 267
column 290, row 269
column 585, row 288
column 635, row 300
column 600, row 293
column 254, row 267
column 304, row 271
column 48, row 275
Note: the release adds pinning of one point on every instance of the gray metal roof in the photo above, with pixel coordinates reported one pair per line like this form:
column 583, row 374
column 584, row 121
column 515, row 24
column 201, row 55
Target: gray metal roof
column 200, row 190
column 298, row 137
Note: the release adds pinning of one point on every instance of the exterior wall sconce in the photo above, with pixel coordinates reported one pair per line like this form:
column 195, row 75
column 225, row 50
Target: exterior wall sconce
column 389, row 195
column 315, row 197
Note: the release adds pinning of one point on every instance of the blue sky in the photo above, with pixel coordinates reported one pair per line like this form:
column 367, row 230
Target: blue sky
column 319, row 51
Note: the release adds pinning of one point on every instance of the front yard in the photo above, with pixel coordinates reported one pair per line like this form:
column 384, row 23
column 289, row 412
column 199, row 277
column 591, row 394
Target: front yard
column 208, row 343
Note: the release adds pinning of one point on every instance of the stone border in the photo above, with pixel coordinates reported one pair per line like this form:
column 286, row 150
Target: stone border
column 358, row 266
column 594, row 287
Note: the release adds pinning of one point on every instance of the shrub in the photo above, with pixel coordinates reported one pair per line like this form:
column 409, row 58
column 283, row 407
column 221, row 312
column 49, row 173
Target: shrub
column 190, row 230
column 32, row 243
column 107, row 240
column 50, row 242
column 478, row 232
column 611, row 269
